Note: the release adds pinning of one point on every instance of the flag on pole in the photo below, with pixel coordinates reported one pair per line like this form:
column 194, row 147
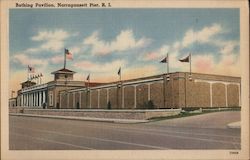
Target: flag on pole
column 68, row 54
column 88, row 77
column 186, row 59
column 31, row 69
column 165, row 60
column 119, row 71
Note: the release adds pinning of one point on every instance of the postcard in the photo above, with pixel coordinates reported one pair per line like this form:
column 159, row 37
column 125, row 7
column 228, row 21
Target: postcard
column 124, row 79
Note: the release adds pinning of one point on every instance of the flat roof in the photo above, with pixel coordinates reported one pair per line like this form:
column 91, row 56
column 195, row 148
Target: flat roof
column 63, row 70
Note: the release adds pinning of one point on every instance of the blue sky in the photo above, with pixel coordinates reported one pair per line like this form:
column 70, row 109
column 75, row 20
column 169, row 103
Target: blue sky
column 102, row 40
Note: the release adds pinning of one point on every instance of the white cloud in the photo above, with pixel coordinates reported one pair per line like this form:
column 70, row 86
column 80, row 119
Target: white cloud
column 124, row 41
column 227, row 64
column 201, row 36
column 75, row 50
column 227, row 47
column 26, row 60
column 40, row 65
column 203, row 63
column 52, row 40
column 157, row 54
column 58, row 34
column 57, row 59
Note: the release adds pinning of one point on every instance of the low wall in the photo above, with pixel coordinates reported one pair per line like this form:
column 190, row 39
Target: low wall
column 113, row 114
column 15, row 109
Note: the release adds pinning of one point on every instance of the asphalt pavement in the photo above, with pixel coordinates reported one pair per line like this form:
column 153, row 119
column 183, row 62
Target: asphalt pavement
column 207, row 131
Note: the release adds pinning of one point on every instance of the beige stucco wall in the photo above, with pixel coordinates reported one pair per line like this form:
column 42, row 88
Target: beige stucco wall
column 178, row 92
column 103, row 98
column 157, row 94
column 233, row 95
column 129, row 97
column 112, row 114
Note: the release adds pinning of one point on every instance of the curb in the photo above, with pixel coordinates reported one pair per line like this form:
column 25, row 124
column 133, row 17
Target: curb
column 83, row 118
column 234, row 125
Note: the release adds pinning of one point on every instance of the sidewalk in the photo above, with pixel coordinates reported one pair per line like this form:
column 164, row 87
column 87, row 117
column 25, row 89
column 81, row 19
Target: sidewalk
column 234, row 125
column 83, row 118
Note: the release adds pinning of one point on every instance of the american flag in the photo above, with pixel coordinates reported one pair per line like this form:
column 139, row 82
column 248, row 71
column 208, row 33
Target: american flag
column 68, row 54
column 31, row 69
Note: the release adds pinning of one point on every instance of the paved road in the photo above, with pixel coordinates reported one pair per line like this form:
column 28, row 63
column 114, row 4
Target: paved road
column 34, row 133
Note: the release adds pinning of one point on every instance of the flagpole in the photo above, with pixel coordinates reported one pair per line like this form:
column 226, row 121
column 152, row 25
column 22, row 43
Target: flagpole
column 120, row 74
column 64, row 59
column 168, row 64
column 190, row 63
column 88, row 81
column 28, row 73
column 190, row 59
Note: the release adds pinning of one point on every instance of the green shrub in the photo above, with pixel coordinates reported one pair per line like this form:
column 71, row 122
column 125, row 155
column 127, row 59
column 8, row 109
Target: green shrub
column 147, row 105
column 150, row 105
column 109, row 105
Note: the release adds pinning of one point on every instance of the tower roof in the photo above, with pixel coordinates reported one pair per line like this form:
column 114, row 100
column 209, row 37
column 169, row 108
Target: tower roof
column 63, row 70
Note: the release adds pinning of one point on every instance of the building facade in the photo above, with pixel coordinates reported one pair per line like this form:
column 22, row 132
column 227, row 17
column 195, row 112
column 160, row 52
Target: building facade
column 176, row 90
column 38, row 95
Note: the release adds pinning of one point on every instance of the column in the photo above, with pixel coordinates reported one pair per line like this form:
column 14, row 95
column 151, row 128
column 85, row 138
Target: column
column 32, row 96
column 122, row 97
column 21, row 104
column 24, row 101
column 80, row 99
column 40, row 98
column 60, row 105
column 73, row 100
column 239, row 95
column 44, row 97
column 90, row 99
column 36, row 98
column 98, row 98
column 135, row 96
column 32, row 99
column 107, row 95
column 226, row 94
column 149, row 91
column 211, row 94
column 23, row 98
column 67, row 100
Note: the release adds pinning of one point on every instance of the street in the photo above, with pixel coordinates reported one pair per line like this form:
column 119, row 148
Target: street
column 207, row 131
